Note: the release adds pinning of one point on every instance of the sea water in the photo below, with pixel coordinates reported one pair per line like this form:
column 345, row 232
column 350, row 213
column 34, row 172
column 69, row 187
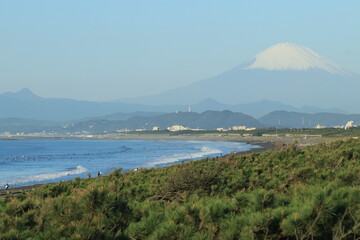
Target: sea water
column 27, row 162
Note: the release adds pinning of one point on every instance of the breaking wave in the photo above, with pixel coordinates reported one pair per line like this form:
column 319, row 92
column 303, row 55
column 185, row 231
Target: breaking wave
column 47, row 176
column 204, row 151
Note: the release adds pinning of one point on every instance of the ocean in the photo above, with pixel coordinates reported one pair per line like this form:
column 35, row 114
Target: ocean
column 28, row 162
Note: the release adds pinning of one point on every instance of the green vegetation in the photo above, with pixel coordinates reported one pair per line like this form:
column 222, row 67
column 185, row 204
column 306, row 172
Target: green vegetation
column 310, row 193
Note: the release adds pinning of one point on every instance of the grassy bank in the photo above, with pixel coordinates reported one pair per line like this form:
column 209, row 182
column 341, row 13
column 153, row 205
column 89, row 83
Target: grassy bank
column 309, row 193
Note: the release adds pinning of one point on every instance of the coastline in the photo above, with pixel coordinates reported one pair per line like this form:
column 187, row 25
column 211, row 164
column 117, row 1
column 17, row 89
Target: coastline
column 266, row 143
column 264, row 146
column 222, row 137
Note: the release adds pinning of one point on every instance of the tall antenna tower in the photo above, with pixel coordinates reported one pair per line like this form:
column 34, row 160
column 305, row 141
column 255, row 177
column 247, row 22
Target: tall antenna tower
column 189, row 109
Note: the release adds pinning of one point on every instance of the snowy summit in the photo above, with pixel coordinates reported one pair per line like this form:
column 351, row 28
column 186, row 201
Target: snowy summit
column 290, row 56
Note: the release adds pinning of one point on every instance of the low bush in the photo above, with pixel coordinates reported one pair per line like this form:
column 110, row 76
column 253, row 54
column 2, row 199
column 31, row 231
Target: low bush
column 310, row 193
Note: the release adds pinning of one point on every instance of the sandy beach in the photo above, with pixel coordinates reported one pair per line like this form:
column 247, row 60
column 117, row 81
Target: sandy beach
column 199, row 136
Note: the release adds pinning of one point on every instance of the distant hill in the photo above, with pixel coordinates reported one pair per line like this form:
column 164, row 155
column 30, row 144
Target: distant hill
column 284, row 119
column 124, row 115
column 205, row 120
column 26, row 105
column 259, row 108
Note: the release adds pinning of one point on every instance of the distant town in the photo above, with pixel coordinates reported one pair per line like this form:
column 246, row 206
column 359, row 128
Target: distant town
column 242, row 130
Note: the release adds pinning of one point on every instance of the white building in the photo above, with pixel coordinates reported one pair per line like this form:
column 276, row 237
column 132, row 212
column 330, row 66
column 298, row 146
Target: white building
column 176, row 128
column 156, row 128
column 189, row 109
column 197, row 129
column 238, row 128
column 140, row 130
column 7, row 134
column 123, row 130
column 349, row 124
column 319, row 126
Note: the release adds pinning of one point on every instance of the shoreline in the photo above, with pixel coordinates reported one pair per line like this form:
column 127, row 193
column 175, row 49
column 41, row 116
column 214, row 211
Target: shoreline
column 220, row 136
column 264, row 146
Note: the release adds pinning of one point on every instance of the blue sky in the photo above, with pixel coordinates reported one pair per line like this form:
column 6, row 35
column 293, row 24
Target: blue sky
column 102, row 50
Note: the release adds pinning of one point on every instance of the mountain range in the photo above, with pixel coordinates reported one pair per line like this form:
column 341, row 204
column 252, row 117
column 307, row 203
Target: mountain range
column 206, row 120
column 25, row 104
column 286, row 72
column 270, row 87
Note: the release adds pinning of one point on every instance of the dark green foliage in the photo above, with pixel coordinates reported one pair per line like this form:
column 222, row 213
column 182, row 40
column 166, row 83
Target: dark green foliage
column 311, row 193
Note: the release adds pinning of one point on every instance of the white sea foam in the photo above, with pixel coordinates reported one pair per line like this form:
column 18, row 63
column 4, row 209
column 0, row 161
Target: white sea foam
column 46, row 176
column 204, row 151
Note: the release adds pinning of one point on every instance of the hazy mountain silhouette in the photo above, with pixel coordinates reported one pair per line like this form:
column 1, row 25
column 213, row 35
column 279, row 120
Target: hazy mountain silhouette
column 259, row 108
column 25, row 104
column 286, row 73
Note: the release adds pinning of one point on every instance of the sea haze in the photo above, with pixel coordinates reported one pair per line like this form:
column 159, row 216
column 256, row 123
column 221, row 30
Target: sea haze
column 28, row 162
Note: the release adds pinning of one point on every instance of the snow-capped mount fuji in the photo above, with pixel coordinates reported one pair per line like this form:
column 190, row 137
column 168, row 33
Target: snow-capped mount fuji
column 291, row 56
column 286, row 72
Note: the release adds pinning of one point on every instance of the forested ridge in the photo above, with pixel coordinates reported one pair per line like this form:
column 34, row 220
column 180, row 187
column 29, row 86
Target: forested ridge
column 292, row 193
